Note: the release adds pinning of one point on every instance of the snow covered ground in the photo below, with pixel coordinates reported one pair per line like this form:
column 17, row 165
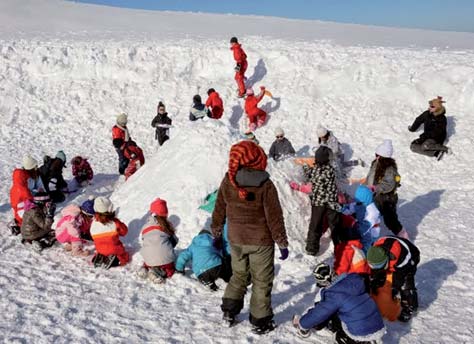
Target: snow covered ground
column 63, row 81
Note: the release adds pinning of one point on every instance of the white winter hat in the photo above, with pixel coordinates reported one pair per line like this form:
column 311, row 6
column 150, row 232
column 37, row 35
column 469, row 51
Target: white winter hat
column 321, row 131
column 29, row 163
column 103, row 205
column 122, row 119
column 279, row 131
column 385, row 149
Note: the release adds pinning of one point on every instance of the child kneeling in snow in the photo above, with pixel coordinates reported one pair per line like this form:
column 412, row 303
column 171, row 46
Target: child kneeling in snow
column 105, row 231
column 135, row 156
column 81, row 170
column 344, row 307
column 74, row 225
column 158, row 243
column 206, row 259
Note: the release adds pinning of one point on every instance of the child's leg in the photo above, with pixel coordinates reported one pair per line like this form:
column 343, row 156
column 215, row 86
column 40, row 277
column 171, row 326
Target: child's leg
column 261, row 116
column 208, row 278
column 315, row 230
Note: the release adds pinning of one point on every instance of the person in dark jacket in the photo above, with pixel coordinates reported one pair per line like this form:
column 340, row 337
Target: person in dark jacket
column 281, row 147
column 198, row 110
column 52, row 176
column 324, row 201
column 399, row 257
column 431, row 141
column 37, row 220
column 162, row 123
column 248, row 200
column 343, row 306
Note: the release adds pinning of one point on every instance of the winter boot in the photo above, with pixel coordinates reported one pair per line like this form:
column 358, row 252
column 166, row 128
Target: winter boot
column 252, row 126
column 37, row 246
column 142, row 272
column 260, row 123
column 230, row 319
column 67, row 247
column 264, row 327
column 14, row 228
column 409, row 304
column 80, row 252
column 98, row 260
column 155, row 275
column 110, row 261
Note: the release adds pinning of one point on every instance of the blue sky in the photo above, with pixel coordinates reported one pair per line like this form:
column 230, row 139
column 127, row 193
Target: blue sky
column 453, row 15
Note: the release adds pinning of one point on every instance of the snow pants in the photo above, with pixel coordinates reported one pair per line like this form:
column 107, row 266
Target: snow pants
column 387, row 205
column 123, row 161
column 428, row 147
column 256, row 262
column 257, row 118
column 316, row 225
column 240, row 77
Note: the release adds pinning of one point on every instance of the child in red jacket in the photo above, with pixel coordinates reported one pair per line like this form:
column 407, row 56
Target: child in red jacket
column 105, row 231
column 255, row 115
column 81, row 170
column 214, row 102
column 135, row 156
column 240, row 64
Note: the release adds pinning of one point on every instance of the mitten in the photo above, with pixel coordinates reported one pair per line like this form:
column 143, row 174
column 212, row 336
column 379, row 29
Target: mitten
column 217, row 243
column 237, row 67
column 284, row 253
column 295, row 186
column 306, row 188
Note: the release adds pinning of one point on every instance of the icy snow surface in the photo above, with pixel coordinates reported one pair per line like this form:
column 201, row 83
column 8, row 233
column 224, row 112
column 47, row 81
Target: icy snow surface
column 67, row 69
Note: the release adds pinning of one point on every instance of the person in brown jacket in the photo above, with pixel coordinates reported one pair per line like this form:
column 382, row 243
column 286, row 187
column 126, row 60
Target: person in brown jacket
column 248, row 199
column 37, row 220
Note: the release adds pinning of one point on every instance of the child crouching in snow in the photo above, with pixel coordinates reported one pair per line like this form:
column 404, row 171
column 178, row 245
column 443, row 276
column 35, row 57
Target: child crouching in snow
column 206, row 260
column 105, row 231
column 74, row 225
column 81, row 170
column 135, row 156
column 158, row 243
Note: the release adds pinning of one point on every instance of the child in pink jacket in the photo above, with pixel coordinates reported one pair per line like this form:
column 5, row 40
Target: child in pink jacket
column 75, row 225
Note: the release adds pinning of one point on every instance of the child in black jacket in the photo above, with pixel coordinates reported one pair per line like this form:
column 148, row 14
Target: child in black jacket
column 162, row 123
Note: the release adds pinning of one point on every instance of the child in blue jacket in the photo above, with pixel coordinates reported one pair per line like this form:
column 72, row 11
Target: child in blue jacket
column 345, row 303
column 206, row 259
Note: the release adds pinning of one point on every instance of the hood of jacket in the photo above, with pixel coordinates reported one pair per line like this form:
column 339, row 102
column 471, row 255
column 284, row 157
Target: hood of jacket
column 250, row 177
column 202, row 240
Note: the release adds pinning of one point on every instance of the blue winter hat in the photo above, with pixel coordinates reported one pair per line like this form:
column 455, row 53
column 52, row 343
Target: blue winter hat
column 88, row 207
column 364, row 195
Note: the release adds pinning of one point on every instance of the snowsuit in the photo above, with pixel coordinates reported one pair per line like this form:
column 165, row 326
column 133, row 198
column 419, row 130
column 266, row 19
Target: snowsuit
column 161, row 134
column 206, row 259
column 83, row 171
column 350, row 258
column 431, row 142
column 280, row 149
column 215, row 103
column 241, row 66
column 403, row 261
column 158, row 247
column 52, row 175
column 135, row 156
column 347, row 299
column 385, row 195
column 22, row 189
column 198, row 111
column 383, row 296
column 255, row 224
column 324, row 203
column 120, row 135
column 72, row 226
column 107, row 241
column 255, row 115
column 36, row 225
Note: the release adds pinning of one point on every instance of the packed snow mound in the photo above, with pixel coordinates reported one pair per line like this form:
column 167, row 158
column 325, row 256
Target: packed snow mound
column 63, row 91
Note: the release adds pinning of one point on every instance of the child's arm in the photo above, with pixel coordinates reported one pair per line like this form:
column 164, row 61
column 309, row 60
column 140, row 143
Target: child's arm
column 121, row 227
column 183, row 258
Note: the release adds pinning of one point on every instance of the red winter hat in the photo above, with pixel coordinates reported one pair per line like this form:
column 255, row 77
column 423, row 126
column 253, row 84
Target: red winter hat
column 245, row 154
column 159, row 207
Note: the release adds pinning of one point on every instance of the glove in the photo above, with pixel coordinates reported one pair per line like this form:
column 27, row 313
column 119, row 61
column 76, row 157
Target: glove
column 217, row 243
column 174, row 240
column 50, row 209
column 284, row 253
column 295, row 186
column 306, row 188
column 237, row 67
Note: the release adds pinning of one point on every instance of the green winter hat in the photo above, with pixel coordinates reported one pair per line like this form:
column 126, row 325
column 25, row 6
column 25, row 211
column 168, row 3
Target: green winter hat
column 60, row 155
column 377, row 257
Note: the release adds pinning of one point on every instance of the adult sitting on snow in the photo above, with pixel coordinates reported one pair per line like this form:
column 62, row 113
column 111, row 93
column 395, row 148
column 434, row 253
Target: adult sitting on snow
column 248, row 199
column 281, row 147
column 198, row 110
column 431, row 142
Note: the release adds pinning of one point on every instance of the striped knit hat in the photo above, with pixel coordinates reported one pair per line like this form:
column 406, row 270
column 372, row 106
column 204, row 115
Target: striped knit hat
column 245, row 154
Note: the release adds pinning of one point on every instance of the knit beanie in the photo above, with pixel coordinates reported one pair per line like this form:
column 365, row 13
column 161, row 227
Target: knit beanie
column 159, row 207
column 29, row 163
column 377, row 257
column 41, row 197
column 385, row 149
column 245, row 154
column 60, row 155
column 103, row 205
column 279, row 131
column 87, row 207
column 197, row 99
column 122, row 119
column 249, row 135
column 322, row 155
column 321, row 131
column 249, row 92
column 211, row 90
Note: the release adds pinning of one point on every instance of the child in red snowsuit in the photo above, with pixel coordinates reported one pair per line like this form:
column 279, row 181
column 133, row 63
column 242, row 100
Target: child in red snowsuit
column 255, row 115
column 81, row 170
column 214, row 102
column 135, row 156
column 240, row 64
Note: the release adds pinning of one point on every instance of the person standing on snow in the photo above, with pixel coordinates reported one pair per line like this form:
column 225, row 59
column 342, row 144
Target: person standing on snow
column 431, row 142
column 281, row 147
column 214, row 102
column 248, row 200
column 161, row 123
column 120, row 136
column 240, row 65
column 255, row 115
